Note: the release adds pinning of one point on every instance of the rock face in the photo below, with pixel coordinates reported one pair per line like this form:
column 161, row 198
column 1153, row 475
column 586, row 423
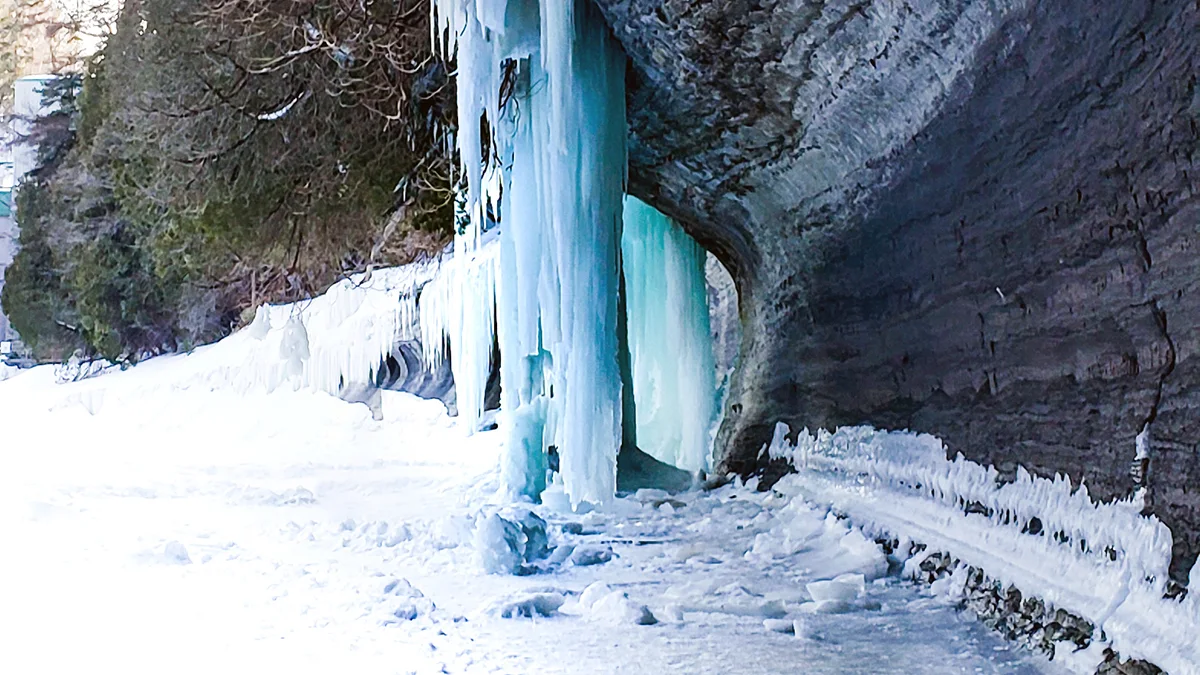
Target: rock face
column 979, row 219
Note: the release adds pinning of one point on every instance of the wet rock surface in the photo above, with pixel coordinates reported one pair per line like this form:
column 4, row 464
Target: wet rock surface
column 975, row 219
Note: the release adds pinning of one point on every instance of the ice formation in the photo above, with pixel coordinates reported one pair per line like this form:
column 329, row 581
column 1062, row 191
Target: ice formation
column 670, row 344
column 329, row 342
column 555, row 170
column 1104, row 562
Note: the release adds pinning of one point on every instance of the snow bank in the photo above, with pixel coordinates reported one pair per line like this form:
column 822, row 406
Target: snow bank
column 1103, row 562
column 335, row 339
column 327, row 343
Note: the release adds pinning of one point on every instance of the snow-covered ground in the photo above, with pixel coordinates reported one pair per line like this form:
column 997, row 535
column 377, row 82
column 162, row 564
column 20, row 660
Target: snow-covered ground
column 156, row 522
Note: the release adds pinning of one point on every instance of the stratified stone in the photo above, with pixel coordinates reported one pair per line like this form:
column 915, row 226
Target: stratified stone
column 974, row 218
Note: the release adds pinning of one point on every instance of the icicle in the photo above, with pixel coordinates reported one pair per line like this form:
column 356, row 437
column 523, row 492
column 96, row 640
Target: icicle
column 456, row 310
column 669, row 338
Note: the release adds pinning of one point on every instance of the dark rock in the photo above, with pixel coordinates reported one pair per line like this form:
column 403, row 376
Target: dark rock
column 637, row 470
column 976, row 219
column 1113, row 665
column 405, row 370
column 1026, row 620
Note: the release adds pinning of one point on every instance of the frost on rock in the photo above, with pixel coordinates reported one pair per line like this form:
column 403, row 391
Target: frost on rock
column 558, row 190
column 670, row 344
column 1104, row 562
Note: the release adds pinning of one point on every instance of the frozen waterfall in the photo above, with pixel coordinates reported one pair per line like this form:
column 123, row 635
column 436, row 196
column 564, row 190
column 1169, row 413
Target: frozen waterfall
column 670, row 343
column 551, row 172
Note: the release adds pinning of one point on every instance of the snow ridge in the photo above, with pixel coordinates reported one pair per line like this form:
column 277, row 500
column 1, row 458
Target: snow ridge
column 1102, row 561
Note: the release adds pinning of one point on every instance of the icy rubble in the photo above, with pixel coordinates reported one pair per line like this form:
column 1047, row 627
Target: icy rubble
column 1103, row 562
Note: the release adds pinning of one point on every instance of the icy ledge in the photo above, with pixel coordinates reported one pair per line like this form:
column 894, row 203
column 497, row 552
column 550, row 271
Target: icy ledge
column 1103, row 562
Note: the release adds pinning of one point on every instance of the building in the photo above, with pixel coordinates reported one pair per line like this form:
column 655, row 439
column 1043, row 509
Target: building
column 27, row 106
column 8, row 239
column 17, row 158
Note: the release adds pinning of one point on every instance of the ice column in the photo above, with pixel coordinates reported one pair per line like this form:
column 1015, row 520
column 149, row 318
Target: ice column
column 560, row 142
column 670, row 343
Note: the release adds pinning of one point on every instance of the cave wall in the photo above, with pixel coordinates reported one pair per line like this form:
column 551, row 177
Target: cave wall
column 975, row 219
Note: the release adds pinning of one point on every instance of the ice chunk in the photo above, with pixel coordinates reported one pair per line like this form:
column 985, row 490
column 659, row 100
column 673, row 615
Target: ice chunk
column 537, row 542
column 837, row 606
column 175, row 553
column 410, row 603
column 779, row 625
column 593, row 593
column 526, row 605
column 846, row 587
column 591, row 554
column 505, row 545
column 500, row 544
column 608, row 605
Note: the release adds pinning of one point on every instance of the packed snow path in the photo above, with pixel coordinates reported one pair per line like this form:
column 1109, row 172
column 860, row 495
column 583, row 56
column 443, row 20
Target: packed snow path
column 152, row 528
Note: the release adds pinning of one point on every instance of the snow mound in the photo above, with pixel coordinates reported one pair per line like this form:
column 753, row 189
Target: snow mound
column 404, row 602
column 601, row 603
column 526, row 605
